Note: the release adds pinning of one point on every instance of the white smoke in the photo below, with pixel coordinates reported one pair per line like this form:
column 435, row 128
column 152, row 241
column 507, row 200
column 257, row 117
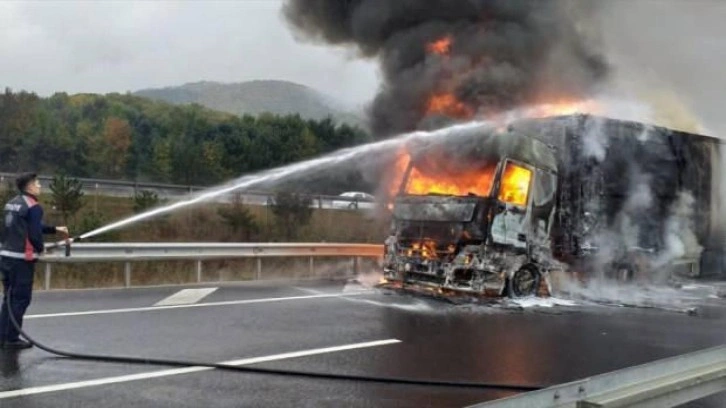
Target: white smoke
column 595, row 140
column 623, row 235
column 680, row 240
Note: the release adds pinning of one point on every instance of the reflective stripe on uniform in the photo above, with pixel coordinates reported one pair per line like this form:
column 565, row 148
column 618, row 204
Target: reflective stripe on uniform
column 17, row 255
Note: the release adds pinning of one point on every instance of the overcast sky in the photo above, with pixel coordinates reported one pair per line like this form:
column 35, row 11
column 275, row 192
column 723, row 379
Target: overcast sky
column 119, row 46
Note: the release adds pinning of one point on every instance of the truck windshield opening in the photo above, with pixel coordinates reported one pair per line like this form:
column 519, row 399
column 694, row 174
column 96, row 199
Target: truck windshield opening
column 435, row 174
column 515, row 183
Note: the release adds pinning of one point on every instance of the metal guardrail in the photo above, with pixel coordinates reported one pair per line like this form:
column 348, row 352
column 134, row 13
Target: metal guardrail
column 140, row 185
column 664, row 383
column 203, row 251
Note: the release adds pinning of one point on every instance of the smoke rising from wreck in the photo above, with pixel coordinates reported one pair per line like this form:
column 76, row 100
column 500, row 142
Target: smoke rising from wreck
column 495, row 55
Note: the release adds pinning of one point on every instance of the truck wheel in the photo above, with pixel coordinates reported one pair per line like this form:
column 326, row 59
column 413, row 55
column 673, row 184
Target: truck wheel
column 524, row 282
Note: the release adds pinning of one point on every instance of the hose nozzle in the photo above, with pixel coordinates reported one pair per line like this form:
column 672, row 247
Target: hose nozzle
column 66, row 243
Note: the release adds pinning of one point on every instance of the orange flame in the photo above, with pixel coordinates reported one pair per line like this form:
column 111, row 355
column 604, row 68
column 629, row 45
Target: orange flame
column 399, row 170
column 475, row 182
column 441, row 46
column 560, row 108
column 515, row 185
column 426, row 249
column 447, row 104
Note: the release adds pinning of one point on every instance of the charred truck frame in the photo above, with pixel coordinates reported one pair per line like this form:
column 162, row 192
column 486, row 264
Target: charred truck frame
column 495, row 212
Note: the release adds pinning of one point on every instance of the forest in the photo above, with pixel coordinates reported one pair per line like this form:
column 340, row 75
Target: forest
column 126, row 137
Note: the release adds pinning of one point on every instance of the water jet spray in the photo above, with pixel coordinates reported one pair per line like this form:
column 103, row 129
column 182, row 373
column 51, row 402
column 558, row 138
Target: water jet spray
column 276, row 174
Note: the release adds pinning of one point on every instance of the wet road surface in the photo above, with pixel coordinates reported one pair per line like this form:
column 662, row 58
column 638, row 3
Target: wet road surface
column 330, row 327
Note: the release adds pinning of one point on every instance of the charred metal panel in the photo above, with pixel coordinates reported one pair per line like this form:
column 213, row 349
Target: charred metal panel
column 645, row 191
column 433, row 209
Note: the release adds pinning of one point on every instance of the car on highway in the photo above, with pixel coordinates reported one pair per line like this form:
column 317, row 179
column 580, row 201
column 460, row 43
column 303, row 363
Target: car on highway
column 354, row 200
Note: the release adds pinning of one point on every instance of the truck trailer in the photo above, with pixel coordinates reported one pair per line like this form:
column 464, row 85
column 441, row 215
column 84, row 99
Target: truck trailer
column 496, row 210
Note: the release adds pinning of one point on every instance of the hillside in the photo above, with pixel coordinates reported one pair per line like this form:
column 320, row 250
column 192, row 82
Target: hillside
column 256, row 97
column 134, row 138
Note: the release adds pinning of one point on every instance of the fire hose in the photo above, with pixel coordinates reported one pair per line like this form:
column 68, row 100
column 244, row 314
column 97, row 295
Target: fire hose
column 252, row 370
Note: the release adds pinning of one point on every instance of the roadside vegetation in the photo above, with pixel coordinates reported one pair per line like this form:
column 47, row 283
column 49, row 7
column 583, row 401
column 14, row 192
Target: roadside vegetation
column 127, row 137
column 286, row 219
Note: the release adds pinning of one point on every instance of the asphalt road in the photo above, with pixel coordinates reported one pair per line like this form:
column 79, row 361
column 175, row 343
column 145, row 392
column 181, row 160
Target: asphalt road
column 334, row 328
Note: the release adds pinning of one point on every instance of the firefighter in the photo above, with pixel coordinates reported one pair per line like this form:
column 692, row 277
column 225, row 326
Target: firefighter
column 22, row 243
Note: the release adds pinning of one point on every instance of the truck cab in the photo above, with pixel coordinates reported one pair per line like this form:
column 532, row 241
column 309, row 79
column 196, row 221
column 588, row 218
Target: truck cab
column 475, row 217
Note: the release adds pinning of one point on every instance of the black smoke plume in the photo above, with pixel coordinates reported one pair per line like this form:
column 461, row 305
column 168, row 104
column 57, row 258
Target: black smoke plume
column 503, row 53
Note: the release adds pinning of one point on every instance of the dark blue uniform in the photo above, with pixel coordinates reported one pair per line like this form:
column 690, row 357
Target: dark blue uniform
column 22, row 243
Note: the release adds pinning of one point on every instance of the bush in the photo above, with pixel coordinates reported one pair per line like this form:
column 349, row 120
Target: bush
column 92, row 221
column 239, row 219
column 144, row 200
column 7, row 192
column 292, row 211
column 67, row 196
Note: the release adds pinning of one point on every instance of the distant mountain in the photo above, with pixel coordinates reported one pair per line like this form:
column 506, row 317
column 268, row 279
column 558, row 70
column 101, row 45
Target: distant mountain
column 256, row 97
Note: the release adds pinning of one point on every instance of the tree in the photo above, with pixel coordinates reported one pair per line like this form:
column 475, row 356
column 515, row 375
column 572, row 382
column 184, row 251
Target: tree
column 161, row 159
column 213, row 153
column 17, row 117
column 126, row 136
column 117, row 140
column 145, row 199
column 292, row 212
column 67, row 196
column 7, row 193
column 239, row 219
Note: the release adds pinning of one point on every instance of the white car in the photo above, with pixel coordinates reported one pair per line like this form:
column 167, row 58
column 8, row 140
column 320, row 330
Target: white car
column 355, row 200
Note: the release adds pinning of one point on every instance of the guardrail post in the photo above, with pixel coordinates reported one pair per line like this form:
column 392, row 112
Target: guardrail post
column 312, row 266
column 127, row 274
column 259, row 269
column 46, row 283
column 356, row 265
column 199, row 270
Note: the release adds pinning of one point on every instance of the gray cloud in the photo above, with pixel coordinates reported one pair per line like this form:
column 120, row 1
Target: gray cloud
column 124, row 46
column 84, row 46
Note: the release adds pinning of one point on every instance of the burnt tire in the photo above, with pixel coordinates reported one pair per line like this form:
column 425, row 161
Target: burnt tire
column 524, row 282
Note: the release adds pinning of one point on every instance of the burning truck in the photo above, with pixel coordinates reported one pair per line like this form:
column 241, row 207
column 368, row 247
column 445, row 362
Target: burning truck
column 496, row 211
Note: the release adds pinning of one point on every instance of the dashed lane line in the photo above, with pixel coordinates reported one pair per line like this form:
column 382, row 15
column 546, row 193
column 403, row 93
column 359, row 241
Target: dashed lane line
column 186, row 297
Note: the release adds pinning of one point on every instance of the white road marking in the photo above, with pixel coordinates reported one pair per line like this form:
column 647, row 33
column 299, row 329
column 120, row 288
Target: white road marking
column 350, row 287
column 177, row 371
column 186, row 297
column 226, row 303
column 307, row 290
